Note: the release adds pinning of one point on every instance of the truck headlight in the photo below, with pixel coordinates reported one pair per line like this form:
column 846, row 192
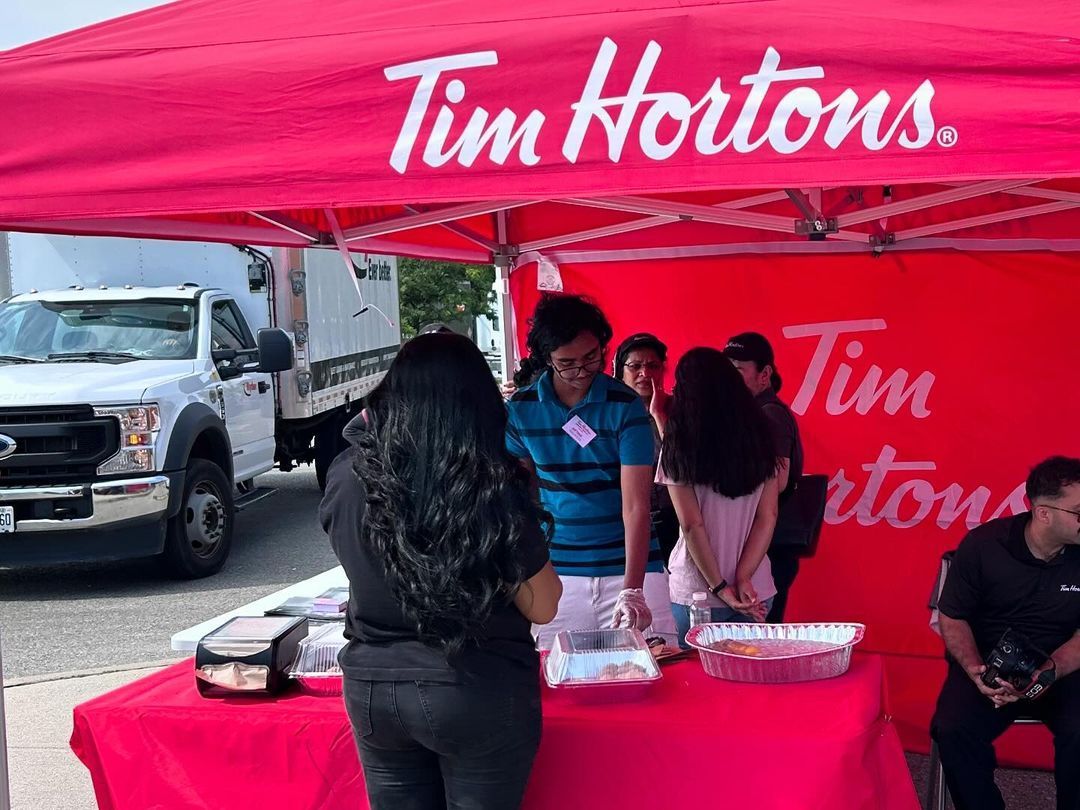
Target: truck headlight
column 139, row 426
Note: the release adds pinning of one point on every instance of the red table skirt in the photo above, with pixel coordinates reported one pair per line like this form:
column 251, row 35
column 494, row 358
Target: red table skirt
column 695, row 742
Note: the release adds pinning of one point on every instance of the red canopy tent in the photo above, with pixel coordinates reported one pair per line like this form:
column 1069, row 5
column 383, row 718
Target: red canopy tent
column 896, row 183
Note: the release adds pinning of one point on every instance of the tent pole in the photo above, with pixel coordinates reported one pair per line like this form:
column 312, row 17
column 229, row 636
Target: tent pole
column 952, row 195
column 641, row 224
column 5, row 793
column 436, row 217
column 987, row 219
column 505, row 258
column 506, row 320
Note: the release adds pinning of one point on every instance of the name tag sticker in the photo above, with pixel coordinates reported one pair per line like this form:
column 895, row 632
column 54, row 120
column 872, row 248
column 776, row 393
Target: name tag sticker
column 577, row 430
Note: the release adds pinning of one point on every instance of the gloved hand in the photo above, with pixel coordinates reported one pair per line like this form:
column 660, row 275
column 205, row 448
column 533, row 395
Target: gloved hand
column 631, row 611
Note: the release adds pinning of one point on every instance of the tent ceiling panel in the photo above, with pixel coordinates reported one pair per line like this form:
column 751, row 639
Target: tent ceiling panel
column 669, row 123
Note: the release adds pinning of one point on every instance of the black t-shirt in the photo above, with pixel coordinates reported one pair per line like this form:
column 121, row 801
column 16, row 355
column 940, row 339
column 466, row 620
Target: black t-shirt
column 995, row 583
column 785, row 435
column 383, row 646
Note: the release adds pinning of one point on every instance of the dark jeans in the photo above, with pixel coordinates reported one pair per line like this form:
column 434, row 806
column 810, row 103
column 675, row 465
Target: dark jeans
column 966, row 724
column 785, row 567
column 430, row 746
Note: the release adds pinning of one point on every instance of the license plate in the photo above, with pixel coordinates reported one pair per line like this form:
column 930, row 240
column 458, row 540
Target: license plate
column 7, row 519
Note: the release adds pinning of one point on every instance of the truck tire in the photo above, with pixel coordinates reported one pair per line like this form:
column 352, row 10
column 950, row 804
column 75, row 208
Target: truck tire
column 329, row 443
column 198, row 538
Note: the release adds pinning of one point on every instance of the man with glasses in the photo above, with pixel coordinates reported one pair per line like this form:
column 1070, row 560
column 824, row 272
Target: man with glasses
column 1019, row 573
column 587, row 440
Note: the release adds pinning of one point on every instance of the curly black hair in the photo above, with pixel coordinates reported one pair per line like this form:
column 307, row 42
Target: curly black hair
column 1049, row 477
column 717, row 435
column 556, row 321
column 448, row 508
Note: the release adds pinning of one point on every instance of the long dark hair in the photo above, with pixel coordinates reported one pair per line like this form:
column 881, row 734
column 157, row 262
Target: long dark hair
column 448, row 507
column 717, row 435
column 556, row 321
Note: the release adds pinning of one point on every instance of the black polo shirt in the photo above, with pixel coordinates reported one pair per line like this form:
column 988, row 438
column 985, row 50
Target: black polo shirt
column 785, row 435
column 995, row 583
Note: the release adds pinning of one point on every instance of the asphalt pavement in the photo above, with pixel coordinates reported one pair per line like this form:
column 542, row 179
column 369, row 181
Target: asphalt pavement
column 82, row 617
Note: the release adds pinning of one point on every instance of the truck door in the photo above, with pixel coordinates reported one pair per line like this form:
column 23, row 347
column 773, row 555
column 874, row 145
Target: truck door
column 246, row 400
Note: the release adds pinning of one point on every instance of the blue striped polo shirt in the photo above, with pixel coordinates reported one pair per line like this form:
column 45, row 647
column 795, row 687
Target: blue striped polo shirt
column 581, row 486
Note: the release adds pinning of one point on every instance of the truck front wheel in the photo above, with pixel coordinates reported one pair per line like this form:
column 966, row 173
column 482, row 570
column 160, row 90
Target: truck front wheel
column 199, row 536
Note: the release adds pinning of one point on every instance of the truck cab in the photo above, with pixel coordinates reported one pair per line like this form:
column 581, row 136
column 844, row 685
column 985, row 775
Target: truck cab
column 128, row 418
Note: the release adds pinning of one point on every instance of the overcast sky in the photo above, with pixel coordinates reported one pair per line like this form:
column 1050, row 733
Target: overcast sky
column 23, row 21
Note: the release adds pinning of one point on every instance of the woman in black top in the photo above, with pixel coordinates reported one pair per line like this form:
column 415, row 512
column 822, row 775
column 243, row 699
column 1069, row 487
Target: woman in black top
column 436, row 528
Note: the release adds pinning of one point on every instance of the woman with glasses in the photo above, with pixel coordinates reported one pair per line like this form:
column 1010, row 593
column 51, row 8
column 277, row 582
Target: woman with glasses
column 586, row 438
column 641, row 363
column 436, row 527
column 719, row 464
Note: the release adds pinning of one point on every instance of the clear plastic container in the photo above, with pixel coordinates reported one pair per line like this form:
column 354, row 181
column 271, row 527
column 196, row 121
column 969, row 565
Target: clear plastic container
column 775, row 653
column 700, row 612
column 601, row 665
column 316, row 666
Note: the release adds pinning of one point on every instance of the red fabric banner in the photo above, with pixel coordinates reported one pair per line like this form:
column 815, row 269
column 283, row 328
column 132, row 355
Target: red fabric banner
column 926, row 384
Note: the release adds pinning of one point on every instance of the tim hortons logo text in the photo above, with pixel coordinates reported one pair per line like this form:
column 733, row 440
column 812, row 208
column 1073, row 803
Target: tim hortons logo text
column 662, row 121
column 888, row 489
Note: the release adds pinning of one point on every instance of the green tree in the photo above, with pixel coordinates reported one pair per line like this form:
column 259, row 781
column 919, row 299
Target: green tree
column 455, row 294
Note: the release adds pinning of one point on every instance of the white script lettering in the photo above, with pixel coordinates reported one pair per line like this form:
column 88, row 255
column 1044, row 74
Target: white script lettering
column 501, row 133
column 894, row 390
column 914, row 492
column 642, row 113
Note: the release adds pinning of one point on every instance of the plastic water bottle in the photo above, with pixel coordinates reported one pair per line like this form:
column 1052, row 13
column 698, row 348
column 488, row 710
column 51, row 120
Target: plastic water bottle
column 700, row 612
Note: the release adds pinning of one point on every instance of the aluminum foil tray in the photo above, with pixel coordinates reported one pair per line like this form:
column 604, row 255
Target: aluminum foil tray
column 316, row 668
column 601, row 665
column 775, row 653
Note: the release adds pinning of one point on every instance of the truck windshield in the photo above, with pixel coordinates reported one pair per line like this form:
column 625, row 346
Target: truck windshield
column 46, row 330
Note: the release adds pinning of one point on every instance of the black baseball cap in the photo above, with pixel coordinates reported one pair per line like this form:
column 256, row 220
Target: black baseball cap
column 639, row 340
column 753, row 347
column 750, row 346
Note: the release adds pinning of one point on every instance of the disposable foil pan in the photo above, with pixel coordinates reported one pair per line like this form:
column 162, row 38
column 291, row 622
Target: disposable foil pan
column 827, row 662
column 316, row 668
column 601, row 665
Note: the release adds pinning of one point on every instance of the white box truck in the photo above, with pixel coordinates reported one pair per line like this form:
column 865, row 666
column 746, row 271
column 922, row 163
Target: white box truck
column 144, row 384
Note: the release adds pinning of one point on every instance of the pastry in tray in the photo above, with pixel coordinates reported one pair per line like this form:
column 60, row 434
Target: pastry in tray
column 769, row 647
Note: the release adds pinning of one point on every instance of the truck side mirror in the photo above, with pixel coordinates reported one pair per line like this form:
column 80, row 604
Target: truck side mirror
column 275, row 351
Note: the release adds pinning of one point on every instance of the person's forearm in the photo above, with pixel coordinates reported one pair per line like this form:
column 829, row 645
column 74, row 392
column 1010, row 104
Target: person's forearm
column 757, row 545
column 637, row 523
column 960, row 642
column 1067, row 657
column 697, row 544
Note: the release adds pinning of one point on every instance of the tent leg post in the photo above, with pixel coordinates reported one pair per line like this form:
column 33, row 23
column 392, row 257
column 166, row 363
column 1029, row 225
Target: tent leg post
column 506, row 319
column 5, row 793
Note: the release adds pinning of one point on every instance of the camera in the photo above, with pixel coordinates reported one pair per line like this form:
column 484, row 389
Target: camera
column 1013, row 660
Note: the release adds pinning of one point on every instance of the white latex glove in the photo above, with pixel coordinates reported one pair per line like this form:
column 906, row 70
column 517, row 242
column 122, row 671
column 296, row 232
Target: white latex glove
column 631, row 611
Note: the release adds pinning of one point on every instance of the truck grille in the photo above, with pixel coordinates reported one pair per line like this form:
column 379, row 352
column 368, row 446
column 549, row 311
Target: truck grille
column 56, row 445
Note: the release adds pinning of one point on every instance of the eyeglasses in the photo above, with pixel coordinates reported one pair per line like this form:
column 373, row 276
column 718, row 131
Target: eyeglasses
column 1059, row 509
column 573, row 372
column 651, row 365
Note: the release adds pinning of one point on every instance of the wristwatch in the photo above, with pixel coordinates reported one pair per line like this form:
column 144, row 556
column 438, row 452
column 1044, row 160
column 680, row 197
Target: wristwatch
column 716, row 591
column 1042, row 683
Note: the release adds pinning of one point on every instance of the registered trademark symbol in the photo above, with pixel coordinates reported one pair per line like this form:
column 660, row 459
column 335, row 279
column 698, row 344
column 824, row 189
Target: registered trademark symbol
column 946, row 136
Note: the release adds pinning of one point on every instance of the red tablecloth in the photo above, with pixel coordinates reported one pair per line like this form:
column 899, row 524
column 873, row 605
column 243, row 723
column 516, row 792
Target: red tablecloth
column 695, row 742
